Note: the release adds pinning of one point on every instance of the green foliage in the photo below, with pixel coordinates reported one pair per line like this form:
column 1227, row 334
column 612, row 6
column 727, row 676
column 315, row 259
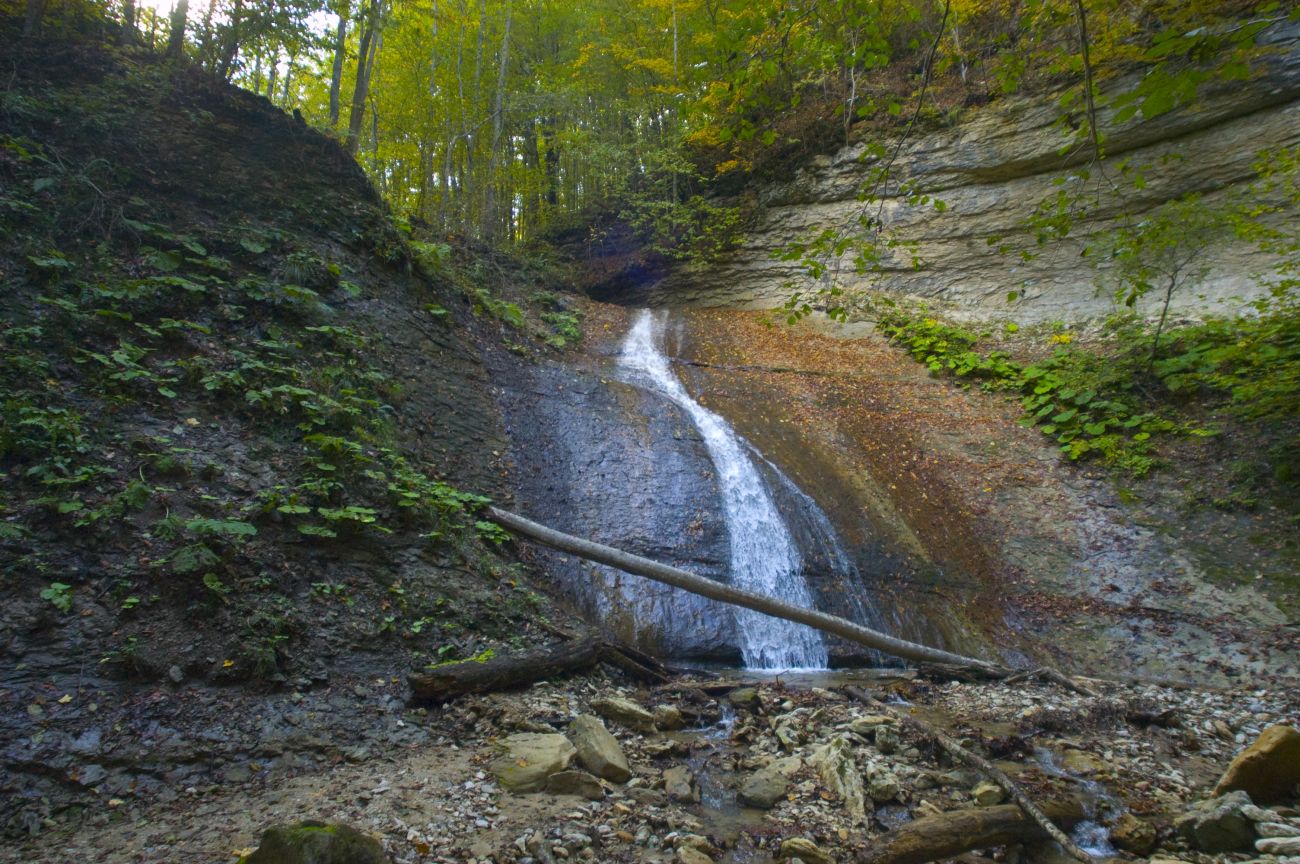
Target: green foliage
column 566, row 328
column 59, row 594
column 502, row 310
column 1083, row 401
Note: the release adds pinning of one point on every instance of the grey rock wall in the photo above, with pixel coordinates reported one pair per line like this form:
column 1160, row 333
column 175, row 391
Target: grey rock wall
column 991, row 169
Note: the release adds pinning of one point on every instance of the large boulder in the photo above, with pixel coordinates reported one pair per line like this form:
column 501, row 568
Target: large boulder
column 528, row 758
column 598, row 751
column 1268, row 770
column 316, row 843
column 1218, row 824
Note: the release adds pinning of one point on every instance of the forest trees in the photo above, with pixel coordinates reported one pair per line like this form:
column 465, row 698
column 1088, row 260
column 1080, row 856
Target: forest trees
column 499, row 118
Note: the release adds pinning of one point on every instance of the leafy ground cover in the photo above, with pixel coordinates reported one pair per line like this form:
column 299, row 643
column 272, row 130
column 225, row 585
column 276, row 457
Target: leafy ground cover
column 237, row 395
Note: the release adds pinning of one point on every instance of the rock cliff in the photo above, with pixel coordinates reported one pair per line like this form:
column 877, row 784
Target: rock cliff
column 991, row 169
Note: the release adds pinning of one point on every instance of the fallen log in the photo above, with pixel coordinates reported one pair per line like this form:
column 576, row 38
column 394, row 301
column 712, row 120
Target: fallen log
column 947, row 835
column 688, row 581
column 501, row 673
column 1032, row 811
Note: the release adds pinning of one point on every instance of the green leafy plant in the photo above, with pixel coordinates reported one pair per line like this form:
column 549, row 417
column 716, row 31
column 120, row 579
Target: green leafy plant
column 59, row 594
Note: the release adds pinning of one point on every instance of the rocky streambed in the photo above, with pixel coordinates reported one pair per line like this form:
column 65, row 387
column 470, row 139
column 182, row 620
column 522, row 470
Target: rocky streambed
column 701, row 770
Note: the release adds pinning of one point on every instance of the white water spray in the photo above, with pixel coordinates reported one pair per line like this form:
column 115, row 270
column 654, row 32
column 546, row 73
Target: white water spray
column 764, row 558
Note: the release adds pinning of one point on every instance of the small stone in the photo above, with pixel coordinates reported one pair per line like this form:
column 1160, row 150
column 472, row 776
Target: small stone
column 988, row 794
column 866, row 726
column 176, row 674
column 236, row 774
column 1079, row 762
column 1279, row 845
column 697, row 842
column 625, row 712
column 1259, row 814
column 804, row 850
column 668, row 717
column 598, row 751
column 1133, row 835
column 575, row 782
column 1277, row 829
column 689, row 855
column 679, row 785
column 317, row 843
column 1268, row 770
column 887, row 739
column 882, row 785
column 91, row 775
column 744, row 697
column 1218, row 825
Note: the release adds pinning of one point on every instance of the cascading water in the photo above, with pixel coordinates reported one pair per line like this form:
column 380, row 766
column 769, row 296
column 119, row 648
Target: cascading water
column 764, row 558
column 1090, row 835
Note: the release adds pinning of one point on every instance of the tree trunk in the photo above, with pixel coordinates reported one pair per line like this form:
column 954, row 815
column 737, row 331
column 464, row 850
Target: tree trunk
column 231, row 49
column 127, row 36
column 552, row 163
column 336, row 73
column 32, row 21
column 365, row 65
column 272, row 75
column 490, row 217
column 947, row 835
column 176, row 42
column 500, row 673
column 1160, row 327
column 678, row 578
column 206, row 53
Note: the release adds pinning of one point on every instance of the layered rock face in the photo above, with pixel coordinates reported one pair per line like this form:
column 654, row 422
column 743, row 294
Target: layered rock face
column 991, row 170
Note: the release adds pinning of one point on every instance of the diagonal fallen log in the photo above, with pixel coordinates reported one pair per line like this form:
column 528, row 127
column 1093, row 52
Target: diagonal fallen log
column 946, row 835
column 688, row 581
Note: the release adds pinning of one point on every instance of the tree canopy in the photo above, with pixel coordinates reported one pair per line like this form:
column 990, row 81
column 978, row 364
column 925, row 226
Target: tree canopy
column 502, row 118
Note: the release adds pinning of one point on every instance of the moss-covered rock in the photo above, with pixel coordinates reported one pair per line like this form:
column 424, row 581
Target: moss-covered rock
column 316, row 843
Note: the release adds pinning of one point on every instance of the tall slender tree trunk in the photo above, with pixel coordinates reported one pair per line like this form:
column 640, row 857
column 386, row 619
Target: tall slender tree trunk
column 336, row 73
column 272, row 75
column 490, row 216
column 257, row 72
column 365, row 66
column 127, row 35
column 206, row 49
column 552, row 158
column 32, row 21
column 176, row 42
column 288, row 83
column 231, row 49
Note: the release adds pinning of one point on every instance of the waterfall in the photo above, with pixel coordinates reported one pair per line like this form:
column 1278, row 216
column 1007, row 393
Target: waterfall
column 764, row 557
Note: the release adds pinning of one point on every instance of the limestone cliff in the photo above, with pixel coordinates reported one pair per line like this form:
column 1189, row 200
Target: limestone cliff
column 991, row 168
